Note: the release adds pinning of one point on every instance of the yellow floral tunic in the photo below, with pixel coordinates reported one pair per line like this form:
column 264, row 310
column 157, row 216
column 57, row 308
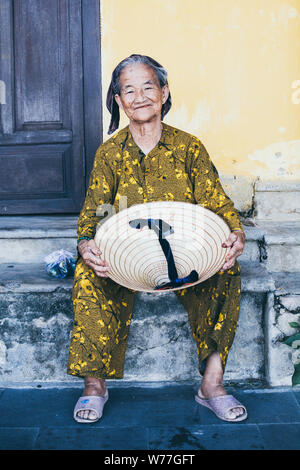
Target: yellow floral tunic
column 177, row 169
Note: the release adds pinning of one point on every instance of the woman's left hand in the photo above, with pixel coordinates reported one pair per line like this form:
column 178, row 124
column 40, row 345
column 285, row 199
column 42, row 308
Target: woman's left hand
column 236, row 243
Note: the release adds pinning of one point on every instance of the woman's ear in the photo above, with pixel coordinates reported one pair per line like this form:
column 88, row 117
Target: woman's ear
column 165, row 93
column 118, row 100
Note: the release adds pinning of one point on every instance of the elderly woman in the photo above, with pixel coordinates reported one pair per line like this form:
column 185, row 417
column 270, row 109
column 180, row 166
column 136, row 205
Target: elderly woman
column 148, row 161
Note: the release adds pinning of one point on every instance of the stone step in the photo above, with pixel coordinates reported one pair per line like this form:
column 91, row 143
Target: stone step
column 36, row 319
column 277, row 201
column 29, row 239
column 280, row 245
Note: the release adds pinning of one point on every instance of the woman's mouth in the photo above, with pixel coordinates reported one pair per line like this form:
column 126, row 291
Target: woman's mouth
column 143, row 106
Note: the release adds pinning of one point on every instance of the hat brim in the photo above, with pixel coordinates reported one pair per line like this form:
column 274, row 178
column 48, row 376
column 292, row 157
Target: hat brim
column 135, row 255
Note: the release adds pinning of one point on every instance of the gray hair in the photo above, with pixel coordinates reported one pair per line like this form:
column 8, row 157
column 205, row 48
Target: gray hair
column 161, row 72
column 114, row 88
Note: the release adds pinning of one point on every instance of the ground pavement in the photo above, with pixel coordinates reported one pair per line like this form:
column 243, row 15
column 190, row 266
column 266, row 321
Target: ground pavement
column 150, row 417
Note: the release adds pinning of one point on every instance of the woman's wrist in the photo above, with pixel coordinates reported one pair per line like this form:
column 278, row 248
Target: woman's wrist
column 243, row 235
column 83, row 238
column 81, row 243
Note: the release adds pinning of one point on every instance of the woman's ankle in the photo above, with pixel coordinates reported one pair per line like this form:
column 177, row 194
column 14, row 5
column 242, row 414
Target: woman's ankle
column 95, row 385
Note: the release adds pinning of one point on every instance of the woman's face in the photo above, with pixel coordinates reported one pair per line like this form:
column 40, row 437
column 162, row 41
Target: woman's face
column 141, row 96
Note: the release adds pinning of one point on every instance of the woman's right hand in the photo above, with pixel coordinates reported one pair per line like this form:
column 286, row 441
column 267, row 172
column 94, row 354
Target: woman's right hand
column 91, row 256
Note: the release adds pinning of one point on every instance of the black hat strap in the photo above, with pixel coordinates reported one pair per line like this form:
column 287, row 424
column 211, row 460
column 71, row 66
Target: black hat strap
column 162, row 229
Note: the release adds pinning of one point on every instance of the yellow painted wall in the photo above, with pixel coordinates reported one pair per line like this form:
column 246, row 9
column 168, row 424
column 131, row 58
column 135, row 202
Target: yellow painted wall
column 234, row 74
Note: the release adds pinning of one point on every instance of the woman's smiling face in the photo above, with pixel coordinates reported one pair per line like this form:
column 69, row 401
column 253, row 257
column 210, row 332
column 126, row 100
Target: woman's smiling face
column 141, row 96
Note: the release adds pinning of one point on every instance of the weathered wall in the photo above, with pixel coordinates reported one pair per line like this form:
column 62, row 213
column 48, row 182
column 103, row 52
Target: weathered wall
column 35, row 328
column 234, row 73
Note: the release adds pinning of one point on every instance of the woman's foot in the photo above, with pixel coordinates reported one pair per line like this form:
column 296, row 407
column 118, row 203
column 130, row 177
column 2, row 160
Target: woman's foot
column 93, row 387
column 212, row 383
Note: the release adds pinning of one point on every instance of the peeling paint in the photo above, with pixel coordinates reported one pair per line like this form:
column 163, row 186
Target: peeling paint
column 201, row 117
column 284, row 14
column 278, row 159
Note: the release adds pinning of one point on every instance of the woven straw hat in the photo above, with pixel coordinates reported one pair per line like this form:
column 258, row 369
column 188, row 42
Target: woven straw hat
column 162, row 245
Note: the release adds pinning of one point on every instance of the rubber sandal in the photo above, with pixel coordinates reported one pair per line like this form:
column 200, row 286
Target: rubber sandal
column 221, row 405
column 92, row 403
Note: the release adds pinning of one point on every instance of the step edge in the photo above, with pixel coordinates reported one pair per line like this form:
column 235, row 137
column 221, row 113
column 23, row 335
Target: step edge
column 255, row 279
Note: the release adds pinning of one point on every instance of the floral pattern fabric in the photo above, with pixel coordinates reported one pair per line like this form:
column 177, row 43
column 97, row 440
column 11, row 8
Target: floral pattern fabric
column 177, row 169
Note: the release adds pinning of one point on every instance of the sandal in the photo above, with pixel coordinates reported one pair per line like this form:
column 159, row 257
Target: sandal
column 93, row 403
column 221, row 405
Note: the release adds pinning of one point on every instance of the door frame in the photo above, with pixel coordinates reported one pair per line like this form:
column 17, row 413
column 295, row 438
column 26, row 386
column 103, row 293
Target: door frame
column 92, row 83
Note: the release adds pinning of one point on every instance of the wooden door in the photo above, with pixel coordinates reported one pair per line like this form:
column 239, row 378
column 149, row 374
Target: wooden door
column 51, row 108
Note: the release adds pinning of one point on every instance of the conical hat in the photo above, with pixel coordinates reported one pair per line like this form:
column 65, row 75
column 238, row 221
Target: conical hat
column 162, row 245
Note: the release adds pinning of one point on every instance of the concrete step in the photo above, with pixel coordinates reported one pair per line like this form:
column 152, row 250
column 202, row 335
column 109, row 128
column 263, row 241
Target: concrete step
column 280, row 245
column 29, row 239
column 277, row 201
column 36, row 319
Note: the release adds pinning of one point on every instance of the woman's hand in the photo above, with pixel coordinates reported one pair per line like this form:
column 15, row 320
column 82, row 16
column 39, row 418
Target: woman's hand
column 91, row 256
column 236, row 243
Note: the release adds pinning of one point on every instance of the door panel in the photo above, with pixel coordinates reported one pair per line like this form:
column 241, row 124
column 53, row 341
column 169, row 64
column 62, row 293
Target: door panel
column 50, row 165
column 42, row 123
column 40, row 44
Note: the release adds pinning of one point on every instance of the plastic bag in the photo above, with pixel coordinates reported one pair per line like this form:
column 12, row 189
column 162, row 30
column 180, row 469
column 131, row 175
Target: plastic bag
column 60, row 264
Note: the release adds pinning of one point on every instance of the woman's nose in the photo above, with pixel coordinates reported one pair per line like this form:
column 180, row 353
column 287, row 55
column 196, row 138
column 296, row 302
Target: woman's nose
column 139, row 96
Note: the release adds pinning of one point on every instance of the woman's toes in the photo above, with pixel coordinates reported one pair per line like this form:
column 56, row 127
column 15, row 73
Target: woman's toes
column 82, row 414
column 238, row 412
column 234, row 413
column 230, row 414
column 87, row 414
column 92, row 415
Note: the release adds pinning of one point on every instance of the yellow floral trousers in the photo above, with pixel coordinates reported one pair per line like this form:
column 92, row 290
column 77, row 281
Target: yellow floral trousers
column 103, row 312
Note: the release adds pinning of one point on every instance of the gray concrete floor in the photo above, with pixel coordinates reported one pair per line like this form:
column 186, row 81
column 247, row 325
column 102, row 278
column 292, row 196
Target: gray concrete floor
column 164, row 417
